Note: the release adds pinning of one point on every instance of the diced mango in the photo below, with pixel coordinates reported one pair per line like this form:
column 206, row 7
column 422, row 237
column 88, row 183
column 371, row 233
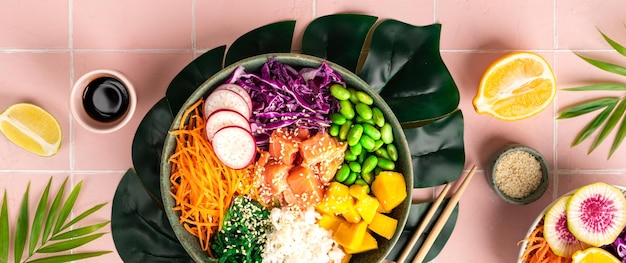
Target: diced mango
column 336, row 200
column 381, row 209
column 367, row 208
column 390, row 189
column 351, row 214
column 350, row 236
column 383, row 225
column 330, row 222
column 369, row 243
column 359, row 191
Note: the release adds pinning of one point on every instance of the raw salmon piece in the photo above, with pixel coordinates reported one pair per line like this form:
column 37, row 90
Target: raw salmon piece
column 284, row 146
column 307, row 189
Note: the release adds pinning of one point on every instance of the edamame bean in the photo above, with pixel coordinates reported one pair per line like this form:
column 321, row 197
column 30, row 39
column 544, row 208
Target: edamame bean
column 337, row 118
column 354, row 134
column 350, row 157
column 361, row 157
column 364, row 111
column 371, row 131
column 363, row 97
column 343, row 131
column 369, row 164
column 386, row 164
column 386, row 133
column 362, row 182
column 355, row 167
column 377, row 171
column 378, row 117
column 339, row 92
column 353, row 97
column 368, row 177
column 393, row 152
column 347, row 110
column 334, row 130
column 382, row 153
column 367, row 143
column 360, row 119
column 343, row 173
column 377, row 145
column 356, row 149
column 351, row 178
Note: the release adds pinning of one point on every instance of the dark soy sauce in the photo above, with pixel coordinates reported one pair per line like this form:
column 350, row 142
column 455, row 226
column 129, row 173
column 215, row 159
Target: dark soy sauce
column 105, row 99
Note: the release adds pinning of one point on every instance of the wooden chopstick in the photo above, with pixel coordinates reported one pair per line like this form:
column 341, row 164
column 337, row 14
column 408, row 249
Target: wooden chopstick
column 429, row 215
column 441, row 221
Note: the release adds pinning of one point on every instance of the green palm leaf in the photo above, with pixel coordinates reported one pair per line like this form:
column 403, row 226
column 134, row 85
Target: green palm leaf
column 605, row 86
column 82, row 216
column 66, row 209
column 69, row 244
column 587, row 107
column 619, row 137
column 619, row 48
column 616, row 116
column 80, row 231
column 4, row 231
column 21, row 230
column 606, row 66
column 52, row 213
column 594, row 124
column 68, row 258
column 38, row 220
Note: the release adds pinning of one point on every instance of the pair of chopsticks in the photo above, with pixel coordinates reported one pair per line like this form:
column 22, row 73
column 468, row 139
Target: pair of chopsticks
column 441, row 221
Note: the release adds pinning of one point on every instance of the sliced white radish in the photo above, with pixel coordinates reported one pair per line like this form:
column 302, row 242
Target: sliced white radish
column 226, row 99
column 224, row 118
column 234, row 146
column 239, row 90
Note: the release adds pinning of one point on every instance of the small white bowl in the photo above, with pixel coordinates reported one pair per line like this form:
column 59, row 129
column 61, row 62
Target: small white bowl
column 78, row 110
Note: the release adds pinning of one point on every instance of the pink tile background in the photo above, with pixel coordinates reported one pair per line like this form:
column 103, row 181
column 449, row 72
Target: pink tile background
column 47, row 45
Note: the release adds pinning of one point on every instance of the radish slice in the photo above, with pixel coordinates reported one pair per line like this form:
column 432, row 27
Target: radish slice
column 226, row 99
column 239, row 90
column 223, row 118
column 234, row 146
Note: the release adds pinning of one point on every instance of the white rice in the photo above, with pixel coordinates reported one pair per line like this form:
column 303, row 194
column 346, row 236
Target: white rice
column 297, row 238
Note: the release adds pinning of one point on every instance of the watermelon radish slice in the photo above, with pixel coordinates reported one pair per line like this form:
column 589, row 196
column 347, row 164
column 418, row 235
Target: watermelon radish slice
column 224, row 118
column 228, row 100
column 562, row 242
column 596, row 213
column 239, row 90
column 234, row 146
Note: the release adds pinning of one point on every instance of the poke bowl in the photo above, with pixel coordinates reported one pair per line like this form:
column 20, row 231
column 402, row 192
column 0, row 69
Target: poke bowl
column 297, row 147
column 566, row 229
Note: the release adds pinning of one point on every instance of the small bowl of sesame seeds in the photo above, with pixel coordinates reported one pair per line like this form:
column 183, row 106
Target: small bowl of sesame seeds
column 518, row 174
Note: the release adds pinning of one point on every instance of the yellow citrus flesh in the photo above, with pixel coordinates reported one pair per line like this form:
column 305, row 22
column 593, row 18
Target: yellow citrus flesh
column 517, row 86
column 594, row 255
column 31, row 128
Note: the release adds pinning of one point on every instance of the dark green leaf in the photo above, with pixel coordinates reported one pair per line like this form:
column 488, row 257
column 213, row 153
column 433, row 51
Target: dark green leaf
column 594, row 124
column 52, row 213
column 140, row 229
column 610, row 124
column 587, row 107
column 619, row 48
column 437, row 151
column 4, row 230
column 21, row 229
column 604, row 86
column 416, row 215
column 619, row 137
column 148, row 144
column 190, row 78
column 272, row 38
column 405, row 66
column 609, row 67
column 338, row 38
column 69, row 244
column 66, row 209
column 79, row 231
column 39, row 219
column 83, row 215
column 69, row 257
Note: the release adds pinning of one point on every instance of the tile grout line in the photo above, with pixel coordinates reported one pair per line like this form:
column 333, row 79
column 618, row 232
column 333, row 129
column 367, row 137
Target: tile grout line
column 193, row 30
column 70, row 45
column 556, row 174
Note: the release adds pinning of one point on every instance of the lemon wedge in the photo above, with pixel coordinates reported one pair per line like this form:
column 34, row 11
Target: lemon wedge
column 31, row 128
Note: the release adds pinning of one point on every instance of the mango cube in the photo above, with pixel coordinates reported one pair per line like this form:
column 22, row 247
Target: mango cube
column 369, row 243
column 350, row 236
column 367, row 207
column 383, row 225
column 390, row 189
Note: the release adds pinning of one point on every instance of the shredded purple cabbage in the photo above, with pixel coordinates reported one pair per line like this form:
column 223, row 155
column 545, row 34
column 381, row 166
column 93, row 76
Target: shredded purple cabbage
column 285, row 97
column 618, row 247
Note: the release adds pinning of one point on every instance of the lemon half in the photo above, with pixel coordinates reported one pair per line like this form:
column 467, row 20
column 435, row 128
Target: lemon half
column 31, row 128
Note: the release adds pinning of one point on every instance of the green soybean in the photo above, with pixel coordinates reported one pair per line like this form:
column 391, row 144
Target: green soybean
column 353, row 97
column 386, row 133
column 367, row 143
column 354, row 134
column 369, row 164
column 371, row 131
column 362, row 182
column 378, row 117
column 386, row 164
column 339, row 92
column 360, row 119
column 363, row 97
column 342, row 174
column 343, row 131
column 361, row 157
column 347, row 110
column 393, row 152
column 356, row 149
column 381, row 152
column 377, row 145
column 355, row 167
column 368, row 177
column 337, row 118
column 334, row 130
column 350, row 157
column 351, row 178
column 364, row 111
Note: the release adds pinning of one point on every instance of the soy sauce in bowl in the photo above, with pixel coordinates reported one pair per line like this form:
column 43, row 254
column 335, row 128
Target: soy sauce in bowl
column 105, row 99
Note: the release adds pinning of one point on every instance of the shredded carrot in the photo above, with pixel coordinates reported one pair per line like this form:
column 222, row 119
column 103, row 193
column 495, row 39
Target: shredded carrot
column 537, row 249
column 202, row 186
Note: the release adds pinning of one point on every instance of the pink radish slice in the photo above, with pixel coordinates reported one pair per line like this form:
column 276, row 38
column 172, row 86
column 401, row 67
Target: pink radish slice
column 224, row 118
column 239, row 90
column 234, row 146
column 228, row 100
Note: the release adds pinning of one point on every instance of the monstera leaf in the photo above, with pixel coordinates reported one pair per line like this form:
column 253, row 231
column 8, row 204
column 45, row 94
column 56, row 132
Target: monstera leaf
column 403, row 64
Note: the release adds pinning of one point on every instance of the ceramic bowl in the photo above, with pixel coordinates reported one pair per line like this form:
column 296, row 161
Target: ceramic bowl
column 545, row 175
column 253, row 64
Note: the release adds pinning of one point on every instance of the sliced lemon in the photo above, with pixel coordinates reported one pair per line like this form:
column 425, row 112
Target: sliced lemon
column 31, row 128
column 517, row 86
column 594, row 255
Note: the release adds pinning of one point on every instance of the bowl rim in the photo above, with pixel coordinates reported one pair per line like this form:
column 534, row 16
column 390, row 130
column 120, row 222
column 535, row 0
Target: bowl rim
column 542, row 214
column 303, row 61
